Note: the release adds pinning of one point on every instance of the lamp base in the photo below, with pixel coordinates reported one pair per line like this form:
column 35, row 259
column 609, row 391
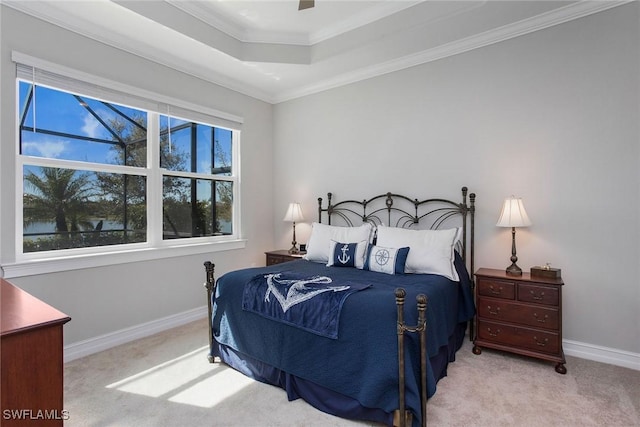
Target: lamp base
column 294, row 245
column 294, row 250
column 514, row 270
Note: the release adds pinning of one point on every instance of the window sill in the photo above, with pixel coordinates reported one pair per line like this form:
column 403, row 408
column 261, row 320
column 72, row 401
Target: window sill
column 54, row 265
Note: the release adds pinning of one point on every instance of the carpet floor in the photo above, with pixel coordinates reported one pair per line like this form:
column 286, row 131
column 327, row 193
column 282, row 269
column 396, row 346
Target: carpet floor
column 166, row 380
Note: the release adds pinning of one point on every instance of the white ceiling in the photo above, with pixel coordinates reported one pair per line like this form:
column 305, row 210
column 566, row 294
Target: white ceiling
column 271, row 51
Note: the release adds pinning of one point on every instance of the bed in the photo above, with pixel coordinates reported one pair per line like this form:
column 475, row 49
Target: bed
column 332, row 328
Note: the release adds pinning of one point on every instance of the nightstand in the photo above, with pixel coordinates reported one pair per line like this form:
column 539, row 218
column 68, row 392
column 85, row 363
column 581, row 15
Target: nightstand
column 519, row 314
column 277, row 257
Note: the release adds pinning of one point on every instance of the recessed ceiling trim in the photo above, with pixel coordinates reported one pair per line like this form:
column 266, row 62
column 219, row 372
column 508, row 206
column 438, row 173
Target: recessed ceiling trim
column 506, row 32
column 48, row 12
column 384, row 10
column 235, row 28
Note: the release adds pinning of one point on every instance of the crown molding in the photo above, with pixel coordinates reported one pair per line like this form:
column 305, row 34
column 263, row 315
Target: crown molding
column 526, row 26
column 49, row 13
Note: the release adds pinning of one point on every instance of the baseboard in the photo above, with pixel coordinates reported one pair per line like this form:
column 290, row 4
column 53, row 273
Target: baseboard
column 598, row 353
column 74, row 351
column 112, row 339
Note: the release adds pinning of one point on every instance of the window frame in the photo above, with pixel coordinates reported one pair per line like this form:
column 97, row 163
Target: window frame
column 155, row 105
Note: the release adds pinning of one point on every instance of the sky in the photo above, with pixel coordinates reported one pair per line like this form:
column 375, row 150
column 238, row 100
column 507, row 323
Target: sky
column 61, row 112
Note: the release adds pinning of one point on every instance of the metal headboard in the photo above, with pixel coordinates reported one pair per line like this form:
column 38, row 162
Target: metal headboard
column 395, row 210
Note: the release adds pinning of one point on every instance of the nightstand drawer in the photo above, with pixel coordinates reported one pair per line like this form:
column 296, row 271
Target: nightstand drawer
column 538, row 294
column 531, row 339
column 525, row 314
column 496, row 288
column 276, row 259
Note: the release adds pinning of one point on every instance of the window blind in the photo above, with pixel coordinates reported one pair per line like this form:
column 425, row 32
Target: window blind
column 45, row 73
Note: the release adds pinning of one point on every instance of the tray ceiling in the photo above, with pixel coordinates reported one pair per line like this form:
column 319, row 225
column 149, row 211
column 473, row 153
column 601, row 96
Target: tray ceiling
column 271, row 51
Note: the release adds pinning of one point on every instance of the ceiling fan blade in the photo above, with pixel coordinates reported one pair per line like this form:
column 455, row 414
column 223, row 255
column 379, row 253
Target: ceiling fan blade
column 306, row 4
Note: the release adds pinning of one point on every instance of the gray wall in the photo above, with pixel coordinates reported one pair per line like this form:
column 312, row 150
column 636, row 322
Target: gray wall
column 551, row 117
column 107, row 299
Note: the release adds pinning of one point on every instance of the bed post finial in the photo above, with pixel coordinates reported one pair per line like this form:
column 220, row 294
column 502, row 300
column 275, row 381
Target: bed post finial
column 319, row 209
column 209, row 268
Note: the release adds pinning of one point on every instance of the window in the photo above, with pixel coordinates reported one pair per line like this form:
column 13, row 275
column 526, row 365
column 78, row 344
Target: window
column 108, row 172
column 194, row 203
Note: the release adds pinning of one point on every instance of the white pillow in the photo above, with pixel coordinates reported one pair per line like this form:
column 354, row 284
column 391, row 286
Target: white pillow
column 431, row 251
column 458, row 245
column 343, row 254
column 322, row 235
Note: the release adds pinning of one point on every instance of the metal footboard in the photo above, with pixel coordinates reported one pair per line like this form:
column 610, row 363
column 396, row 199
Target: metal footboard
column 210, row 286
column 402, row 417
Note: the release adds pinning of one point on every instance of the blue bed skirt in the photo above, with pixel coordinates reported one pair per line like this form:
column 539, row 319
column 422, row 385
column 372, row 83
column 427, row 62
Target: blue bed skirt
column 322, row 398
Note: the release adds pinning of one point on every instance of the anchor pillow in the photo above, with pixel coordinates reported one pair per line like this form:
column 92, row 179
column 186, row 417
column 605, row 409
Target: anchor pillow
column 386, row 260
column 322, row 235
column 347, row 254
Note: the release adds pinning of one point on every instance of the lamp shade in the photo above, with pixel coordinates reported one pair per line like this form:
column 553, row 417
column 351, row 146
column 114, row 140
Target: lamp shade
column 294, row 213
column 513, row 214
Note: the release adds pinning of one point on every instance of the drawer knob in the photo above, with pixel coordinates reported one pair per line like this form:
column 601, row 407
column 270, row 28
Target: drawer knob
column 541, row 343
column 493, row 312
column 494, row 291
column 537, row 297
column 493, row 334
column 541, row 320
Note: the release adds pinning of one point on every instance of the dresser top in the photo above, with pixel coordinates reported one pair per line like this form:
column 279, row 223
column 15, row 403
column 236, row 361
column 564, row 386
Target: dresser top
column 22, row 311
column 525, row 277
column 285, row 252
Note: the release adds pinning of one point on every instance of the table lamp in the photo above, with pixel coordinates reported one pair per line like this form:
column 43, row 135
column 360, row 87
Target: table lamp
column 513, row 215
column 294, row 214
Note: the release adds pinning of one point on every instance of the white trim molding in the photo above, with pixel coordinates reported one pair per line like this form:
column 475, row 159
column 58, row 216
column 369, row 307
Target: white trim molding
column 242, row 53
column 597, row 353
column 496, row 35
column 54, row 265
column 104, row 342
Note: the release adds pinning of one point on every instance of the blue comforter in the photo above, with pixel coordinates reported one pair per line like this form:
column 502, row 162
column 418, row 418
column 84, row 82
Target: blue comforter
column 312, row 303
column 363, row 362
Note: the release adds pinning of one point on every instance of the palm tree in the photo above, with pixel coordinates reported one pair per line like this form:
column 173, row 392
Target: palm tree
column 63, row 193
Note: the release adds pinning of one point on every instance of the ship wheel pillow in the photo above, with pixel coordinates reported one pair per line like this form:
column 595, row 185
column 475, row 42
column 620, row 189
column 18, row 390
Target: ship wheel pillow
column 386, row 260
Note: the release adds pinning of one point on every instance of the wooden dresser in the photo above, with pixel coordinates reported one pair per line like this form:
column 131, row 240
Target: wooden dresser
column 31, row 360
column 277, row 257
column 520, row 314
